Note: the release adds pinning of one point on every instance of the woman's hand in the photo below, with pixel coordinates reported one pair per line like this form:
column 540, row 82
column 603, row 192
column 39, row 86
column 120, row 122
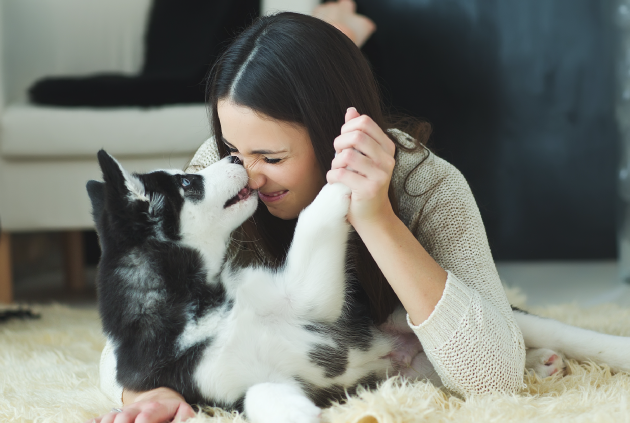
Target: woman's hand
column 155, row 406
column 364, row 162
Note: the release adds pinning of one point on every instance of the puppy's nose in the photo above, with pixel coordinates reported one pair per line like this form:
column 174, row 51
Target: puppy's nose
column 236, row 160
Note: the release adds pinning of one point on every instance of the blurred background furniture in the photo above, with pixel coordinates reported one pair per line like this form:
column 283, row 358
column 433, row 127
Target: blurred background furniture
column 47, row 153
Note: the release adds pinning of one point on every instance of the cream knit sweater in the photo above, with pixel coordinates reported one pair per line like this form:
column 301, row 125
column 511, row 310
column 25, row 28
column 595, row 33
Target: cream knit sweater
column 471, row 338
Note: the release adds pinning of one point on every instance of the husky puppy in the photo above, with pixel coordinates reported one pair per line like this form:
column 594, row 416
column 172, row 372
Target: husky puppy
column 277, row 344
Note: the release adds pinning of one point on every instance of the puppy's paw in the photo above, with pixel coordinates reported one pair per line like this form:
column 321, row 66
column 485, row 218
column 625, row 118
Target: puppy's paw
column 299, row 410
column 330, row 205
column 545, row 362
column 406, row 347
column 279, row 403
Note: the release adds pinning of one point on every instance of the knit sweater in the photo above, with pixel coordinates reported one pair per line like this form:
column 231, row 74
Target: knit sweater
column 471, row 337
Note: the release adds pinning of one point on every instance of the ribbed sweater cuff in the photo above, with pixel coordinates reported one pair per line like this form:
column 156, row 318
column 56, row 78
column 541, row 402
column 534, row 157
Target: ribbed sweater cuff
column 446, row 318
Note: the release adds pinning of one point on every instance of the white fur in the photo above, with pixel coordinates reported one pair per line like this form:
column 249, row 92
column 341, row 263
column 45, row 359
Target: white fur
column 573, row 342
column 198, row 331
column 206, row 226
column 133, row 184
column 275, row 402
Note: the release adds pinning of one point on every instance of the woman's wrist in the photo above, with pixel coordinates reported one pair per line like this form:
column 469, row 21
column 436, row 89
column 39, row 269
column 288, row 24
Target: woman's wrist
column 417, row 279
column 381, row 221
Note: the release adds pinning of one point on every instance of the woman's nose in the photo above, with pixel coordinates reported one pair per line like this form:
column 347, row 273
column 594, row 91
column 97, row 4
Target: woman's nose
column 256, row 179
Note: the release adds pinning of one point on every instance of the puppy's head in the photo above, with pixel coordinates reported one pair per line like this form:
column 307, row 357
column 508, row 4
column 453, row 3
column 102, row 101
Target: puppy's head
column 170, row 205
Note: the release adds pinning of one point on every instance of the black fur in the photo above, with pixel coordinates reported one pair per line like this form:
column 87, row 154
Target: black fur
column 129, row 240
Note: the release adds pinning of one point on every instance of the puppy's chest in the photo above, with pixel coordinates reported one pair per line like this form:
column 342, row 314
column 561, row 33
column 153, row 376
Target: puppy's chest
column 246, row 348
column 263, row 339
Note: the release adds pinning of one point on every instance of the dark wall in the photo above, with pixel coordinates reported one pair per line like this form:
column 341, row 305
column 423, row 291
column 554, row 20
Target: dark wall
column 521, row 96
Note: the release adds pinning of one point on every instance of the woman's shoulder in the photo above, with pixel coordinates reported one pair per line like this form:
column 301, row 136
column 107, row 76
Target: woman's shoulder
column 421, row 176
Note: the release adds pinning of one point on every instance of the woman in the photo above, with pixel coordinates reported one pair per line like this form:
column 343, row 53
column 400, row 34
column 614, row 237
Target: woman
column 296, row 101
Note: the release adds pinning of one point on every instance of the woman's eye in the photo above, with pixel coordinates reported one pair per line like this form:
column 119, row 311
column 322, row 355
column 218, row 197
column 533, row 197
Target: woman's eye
column 185, row 182
column 272, row 161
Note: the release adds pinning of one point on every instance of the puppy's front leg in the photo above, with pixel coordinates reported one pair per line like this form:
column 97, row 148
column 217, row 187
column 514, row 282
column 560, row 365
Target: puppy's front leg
column 315, row 272
column 279, row 403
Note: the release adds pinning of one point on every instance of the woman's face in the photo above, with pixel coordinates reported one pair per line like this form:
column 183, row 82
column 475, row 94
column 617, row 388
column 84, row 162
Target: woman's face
column 278, row 156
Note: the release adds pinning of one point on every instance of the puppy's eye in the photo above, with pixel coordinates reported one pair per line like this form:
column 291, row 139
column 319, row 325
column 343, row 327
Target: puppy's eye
column 185, row 182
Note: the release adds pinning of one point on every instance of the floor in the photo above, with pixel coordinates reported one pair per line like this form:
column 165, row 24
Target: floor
column 586, row 283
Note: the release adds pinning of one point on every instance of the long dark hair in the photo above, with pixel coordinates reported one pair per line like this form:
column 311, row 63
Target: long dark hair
column 299, row 69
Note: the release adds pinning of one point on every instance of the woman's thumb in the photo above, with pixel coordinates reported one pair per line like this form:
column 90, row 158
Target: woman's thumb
column 351, row 113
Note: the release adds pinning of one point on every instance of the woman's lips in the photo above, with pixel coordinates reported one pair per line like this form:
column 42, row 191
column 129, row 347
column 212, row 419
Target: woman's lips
column 272, row 196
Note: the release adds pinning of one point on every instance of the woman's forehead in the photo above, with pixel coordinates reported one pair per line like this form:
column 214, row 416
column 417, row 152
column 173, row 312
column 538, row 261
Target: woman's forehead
column 248, row 130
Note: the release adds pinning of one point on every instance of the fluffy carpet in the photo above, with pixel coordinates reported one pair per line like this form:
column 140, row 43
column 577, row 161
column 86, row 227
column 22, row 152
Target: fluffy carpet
column 49, row 373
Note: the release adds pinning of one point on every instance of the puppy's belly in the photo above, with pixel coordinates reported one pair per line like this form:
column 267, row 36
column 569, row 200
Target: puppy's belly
column 251, row 350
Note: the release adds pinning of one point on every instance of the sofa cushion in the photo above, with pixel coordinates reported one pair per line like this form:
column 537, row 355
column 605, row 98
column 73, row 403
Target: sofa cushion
column 182, row 40
column 41, row 132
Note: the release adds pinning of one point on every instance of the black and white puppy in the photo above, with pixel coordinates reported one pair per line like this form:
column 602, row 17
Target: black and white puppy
column 277, row 344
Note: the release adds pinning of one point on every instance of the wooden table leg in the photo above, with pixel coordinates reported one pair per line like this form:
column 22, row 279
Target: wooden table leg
column 6, row 274
column 74, row 260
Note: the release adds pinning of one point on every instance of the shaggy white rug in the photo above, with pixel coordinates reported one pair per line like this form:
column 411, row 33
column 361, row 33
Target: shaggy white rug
column 49, row 373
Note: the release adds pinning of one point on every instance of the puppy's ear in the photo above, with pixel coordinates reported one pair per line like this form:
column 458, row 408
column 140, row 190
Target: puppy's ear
column 96, row 192
column 118, row 181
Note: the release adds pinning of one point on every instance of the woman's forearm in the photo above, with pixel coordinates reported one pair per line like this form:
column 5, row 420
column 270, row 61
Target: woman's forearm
column 416, row 278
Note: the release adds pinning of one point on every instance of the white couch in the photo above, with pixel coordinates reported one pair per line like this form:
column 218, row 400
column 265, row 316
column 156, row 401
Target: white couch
column 47, row 154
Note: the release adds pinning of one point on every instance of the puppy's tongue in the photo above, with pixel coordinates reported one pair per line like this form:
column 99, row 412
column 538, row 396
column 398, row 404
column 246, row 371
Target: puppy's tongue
column 243, row 193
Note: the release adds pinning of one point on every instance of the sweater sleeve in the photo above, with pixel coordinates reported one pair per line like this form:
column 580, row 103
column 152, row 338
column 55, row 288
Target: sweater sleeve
column 206, row 155
column 107, row 370
column 471, row 337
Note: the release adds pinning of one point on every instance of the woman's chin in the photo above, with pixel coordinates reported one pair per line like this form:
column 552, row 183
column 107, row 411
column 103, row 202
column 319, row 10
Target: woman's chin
column 282, row 212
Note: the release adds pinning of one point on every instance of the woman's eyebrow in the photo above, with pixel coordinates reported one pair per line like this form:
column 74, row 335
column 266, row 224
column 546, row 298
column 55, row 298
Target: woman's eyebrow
column 268, row 152
column 255, row 151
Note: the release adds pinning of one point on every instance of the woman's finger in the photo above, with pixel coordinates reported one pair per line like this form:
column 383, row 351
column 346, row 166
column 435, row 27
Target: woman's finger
column 360, row 142
column 351, row 113
column 128, row 415
column 366, row 164
column 362, row 188
column 347, row 177
column 184, row 412
column 356, row 162
column 365, row 124
column 156, row 412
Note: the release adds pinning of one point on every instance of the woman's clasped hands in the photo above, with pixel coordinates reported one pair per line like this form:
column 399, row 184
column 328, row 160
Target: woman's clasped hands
column 364, row 162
